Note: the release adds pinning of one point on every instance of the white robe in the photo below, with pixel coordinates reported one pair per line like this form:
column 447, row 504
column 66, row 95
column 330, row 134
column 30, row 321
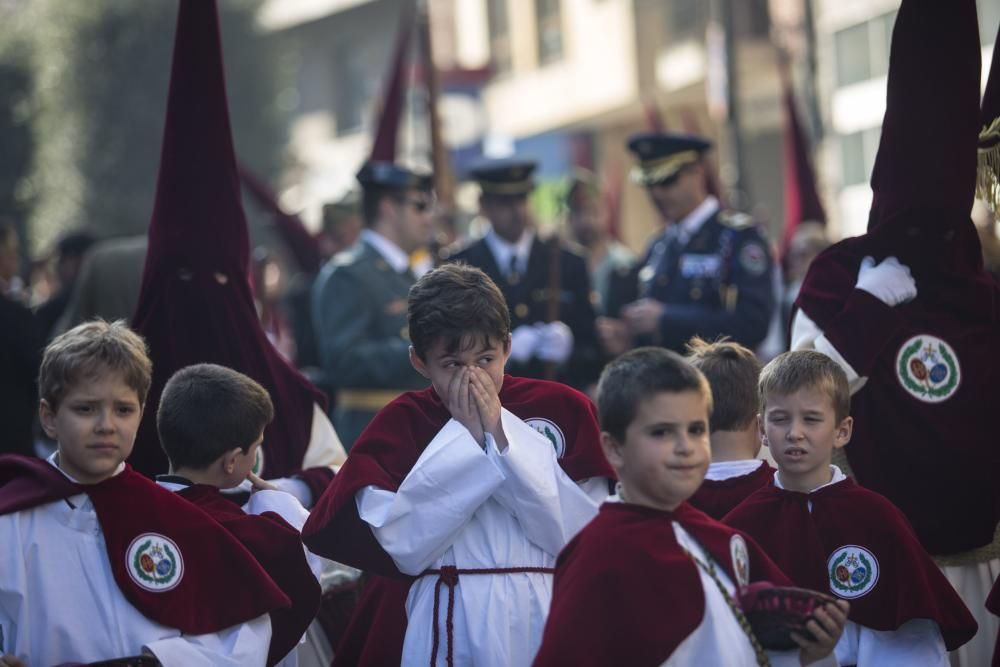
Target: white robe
column 59, row 600
column 476, row 509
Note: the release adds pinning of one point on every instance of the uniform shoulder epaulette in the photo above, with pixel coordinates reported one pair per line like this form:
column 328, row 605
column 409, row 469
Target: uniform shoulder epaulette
column 736, row 220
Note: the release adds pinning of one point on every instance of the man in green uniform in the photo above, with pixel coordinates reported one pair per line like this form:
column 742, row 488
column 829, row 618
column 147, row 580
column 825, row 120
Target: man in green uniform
column 359, row 298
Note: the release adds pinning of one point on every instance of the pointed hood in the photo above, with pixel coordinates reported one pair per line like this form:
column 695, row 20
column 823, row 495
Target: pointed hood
column 924, row 177
column 988, row 184
column 195, row 304
column 394, row 96
column 802, row 202
column 926, row 156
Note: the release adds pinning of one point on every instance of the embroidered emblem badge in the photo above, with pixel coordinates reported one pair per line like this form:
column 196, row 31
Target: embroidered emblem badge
column 154, row 562
column 551, row 431
column 741, row 559
column 928, row 368
column 853, row 571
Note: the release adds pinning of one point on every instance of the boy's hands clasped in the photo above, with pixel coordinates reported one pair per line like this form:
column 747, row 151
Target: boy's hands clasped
column 474, row 401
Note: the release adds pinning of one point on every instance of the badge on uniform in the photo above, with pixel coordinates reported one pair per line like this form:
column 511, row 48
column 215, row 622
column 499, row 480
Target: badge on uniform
column 853, row 571
column 154, row 562
column 551, row 431
column 700, row 266
column 741, row 560
column 928, row 368
column 753, row 259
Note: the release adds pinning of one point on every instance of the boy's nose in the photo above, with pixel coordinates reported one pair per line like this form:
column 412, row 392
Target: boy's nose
column 105, row 424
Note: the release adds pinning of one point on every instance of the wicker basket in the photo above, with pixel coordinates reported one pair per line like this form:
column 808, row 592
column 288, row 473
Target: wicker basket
column 774, row 612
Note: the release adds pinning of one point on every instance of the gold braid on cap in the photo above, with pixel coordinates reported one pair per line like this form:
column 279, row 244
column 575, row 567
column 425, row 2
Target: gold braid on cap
column 650, row 172
column 988, row 169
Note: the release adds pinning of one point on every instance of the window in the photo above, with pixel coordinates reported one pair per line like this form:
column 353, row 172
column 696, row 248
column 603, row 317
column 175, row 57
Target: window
column 352, row 94
column 548, row 18
column 499, row 29
column 857, row 155
column 852, row 55
column 686, row 19
column 863, row 50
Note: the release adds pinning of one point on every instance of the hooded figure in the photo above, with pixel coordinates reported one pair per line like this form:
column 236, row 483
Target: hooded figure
column 196, row 304
column 911, row 315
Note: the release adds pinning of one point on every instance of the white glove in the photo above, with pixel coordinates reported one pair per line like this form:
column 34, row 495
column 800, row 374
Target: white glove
column 555, row 343
column 890, row 282
column 523, row 342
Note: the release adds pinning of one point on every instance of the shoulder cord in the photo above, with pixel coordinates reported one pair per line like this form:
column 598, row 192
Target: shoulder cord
column 762, row 659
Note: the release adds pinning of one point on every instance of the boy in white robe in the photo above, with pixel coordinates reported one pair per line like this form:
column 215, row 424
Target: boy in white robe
column 96, row 562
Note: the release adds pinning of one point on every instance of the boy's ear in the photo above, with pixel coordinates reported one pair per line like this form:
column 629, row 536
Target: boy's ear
column 612, row 450
column 229, row 460
column 844, row 431
column 47, row 417
column 761, row 431
column 418, row 363
column 507, row 348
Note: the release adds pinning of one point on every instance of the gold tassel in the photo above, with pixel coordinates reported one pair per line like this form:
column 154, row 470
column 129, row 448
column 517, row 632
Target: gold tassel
column 988, row 168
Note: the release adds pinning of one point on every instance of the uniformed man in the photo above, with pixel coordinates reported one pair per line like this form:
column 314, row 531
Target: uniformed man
column 546, row 286
column 709, row 274
column 359, row 299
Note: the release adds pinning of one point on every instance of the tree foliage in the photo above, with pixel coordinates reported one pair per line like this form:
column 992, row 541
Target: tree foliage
column 102, row 70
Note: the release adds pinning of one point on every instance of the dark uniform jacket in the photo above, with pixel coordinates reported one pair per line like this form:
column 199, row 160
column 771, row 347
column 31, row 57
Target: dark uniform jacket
column 527, row 297
column 359, row 312
column 719, row 283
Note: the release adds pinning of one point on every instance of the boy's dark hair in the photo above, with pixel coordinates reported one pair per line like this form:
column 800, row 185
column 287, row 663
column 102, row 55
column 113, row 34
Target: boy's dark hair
column 89, row 349
column 638, row 375
column 207, row 410
column 370, row 198
column 732, row 371
column 802, row 369
column 455, row 302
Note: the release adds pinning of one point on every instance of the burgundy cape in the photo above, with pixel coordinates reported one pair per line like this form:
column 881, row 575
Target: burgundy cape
column 626, row 593
column 909, row 585
column 390, row 446
column 222, row 585
column 196, row 305
column 993, row 604
column 384, row 454
column 278, row 548
column 717, row 497
column 924, row 179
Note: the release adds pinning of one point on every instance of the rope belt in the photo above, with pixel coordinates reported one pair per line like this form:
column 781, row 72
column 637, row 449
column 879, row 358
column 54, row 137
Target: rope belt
column 448, row 576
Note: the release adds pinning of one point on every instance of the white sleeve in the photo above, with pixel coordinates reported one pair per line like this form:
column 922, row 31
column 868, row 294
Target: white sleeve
column 550, row 507
column 325, row 448
column 244, row 644
column 806, row 335
column 916, row 642
column 291, row 510
column 419, row 522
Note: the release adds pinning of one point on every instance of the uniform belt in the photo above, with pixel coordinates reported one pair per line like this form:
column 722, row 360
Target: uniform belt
column 371, row 400
column 448, row 576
